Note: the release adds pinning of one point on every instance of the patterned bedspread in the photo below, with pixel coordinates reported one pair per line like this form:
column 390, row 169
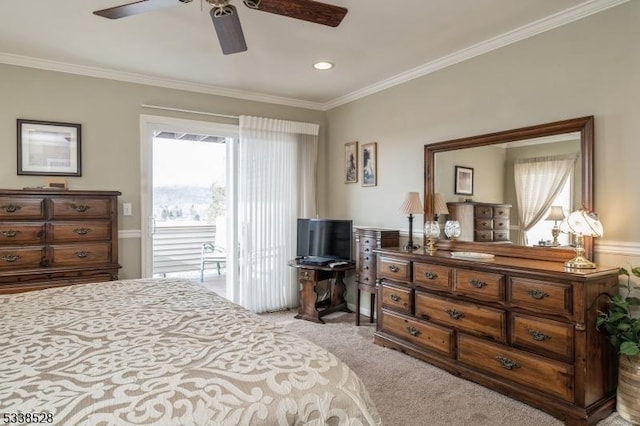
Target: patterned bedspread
column 164, row 352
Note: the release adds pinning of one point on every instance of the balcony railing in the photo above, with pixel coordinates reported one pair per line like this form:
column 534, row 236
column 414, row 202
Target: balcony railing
column 177, row 247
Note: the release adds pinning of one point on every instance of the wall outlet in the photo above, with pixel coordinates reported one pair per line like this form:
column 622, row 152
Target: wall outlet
column 126, row 209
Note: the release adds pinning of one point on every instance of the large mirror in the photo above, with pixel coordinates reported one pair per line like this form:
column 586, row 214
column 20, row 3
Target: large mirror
column 479, row 170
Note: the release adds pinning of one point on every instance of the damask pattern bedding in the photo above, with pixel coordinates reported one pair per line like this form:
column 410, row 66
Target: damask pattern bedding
column 164, row 352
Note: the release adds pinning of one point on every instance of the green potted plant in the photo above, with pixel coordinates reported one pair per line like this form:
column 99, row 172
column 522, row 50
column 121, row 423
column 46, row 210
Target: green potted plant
column 622, row 326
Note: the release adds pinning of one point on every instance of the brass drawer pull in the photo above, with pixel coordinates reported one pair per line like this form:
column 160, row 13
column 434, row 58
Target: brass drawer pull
column 11, row 208
column 538, row 335
column 80, row 208
column 10, row 258
column 430, row 275
column 394, row 297
column 393, row 268
column 413, row 331
column 477, row 283
column 537, row 294
column 82, row 231
column 83, row 254
column 506, row 363
column 453, row 314
column 10, row 233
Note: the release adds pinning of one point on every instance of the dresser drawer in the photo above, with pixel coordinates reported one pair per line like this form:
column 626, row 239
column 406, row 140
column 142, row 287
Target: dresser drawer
column 483, row 224
column 21, row 232
column 483, row 285
column 467, row 317
column 21, row 257
column 397, row 297
column 21, row 208
column 432, row 276
column 80, row 254
column 501, row 235
column 541, row 295
column 543, row 336
column 500, row 224
column 548, row 376
column 367, row 276
column 483, row 236
column 501, row 212
column 70, row 208
column 79, row 231
column 483, row 211
column 429, row 336
column 394, row 269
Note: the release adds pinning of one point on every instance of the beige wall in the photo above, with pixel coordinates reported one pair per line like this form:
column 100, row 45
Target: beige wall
column 109, row 112
column 589, row 67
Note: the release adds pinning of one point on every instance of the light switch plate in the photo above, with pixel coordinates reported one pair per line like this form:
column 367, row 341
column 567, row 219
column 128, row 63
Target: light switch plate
column 126, row 209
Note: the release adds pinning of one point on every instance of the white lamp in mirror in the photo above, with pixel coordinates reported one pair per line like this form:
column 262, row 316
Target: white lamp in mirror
column 581, row 223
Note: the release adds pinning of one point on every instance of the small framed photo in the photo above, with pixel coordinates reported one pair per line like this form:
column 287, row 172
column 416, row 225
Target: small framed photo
column 351, row 162
column 464, row 180
column 369, row 164
column 48, row 148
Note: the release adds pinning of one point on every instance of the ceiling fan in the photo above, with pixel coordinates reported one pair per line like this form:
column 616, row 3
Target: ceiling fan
column 225, row 16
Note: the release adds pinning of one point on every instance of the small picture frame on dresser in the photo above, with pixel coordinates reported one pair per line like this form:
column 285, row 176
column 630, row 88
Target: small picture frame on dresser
column 47, row 148
column 463, row 180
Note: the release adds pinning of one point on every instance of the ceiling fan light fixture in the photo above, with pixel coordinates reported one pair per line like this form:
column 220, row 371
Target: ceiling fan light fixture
column 323, row 65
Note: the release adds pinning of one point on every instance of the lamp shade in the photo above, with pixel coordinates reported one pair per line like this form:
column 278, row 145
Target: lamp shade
column 411, row 204
column 582, row 222
column 439, row 205
column 556, row 213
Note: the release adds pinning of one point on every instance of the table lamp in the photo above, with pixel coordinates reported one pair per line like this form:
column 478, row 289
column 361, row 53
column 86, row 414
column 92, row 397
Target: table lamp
column 556, row 213
column 582, row 224
column 411, row 205
column 439, row 205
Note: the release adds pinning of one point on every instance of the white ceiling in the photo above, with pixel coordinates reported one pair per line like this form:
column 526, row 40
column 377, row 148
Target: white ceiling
column 378, row 44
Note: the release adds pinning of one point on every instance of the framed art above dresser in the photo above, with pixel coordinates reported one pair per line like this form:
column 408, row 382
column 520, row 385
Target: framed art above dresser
column 51, row 238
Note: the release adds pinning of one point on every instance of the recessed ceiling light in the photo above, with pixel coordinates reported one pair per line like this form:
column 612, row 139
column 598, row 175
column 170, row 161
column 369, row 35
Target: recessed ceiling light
column 323, row 65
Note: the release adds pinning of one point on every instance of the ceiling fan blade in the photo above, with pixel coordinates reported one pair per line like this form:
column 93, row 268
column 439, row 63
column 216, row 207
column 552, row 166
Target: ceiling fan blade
column 136, row 8
column 307, row 10
column 227, row 24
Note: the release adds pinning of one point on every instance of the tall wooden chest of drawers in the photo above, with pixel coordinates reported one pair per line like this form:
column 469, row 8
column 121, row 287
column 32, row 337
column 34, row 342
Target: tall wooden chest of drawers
column 368, row 239
column 483, row 222
column 51, row 238
column 525, row 328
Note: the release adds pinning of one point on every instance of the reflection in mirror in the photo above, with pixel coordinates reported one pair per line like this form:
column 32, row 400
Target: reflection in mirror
column 518, row 175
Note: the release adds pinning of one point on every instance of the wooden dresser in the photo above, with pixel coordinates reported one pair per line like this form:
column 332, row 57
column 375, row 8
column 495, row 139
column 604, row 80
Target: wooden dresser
column 51, row 238
column 483, row 222
column 368, row 239
column 525, row 328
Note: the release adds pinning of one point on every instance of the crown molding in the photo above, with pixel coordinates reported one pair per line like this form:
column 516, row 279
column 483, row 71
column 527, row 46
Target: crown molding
column 537, row 27
column 623, row 248
column 553, row 21
column 30, row 62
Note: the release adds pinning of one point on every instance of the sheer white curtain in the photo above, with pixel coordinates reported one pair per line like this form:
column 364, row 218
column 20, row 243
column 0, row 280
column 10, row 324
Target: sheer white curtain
column 276, row 185
column 538, row 181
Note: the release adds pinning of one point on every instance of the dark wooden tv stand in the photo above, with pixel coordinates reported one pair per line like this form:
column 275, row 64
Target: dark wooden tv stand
column 312, row 306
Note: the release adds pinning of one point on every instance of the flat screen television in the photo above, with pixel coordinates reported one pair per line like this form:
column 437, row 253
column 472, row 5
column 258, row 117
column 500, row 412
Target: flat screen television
column 322, row 241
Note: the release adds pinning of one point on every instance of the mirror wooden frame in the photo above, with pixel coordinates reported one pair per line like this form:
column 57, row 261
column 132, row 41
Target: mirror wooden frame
column 583, row 125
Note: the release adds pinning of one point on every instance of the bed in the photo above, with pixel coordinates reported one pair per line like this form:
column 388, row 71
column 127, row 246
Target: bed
column 164, row 352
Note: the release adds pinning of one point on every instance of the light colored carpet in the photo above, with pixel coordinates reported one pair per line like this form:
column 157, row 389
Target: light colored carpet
column 410, row 392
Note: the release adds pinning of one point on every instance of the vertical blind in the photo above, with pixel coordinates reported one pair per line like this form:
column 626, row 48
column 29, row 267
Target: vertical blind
column 276, row 185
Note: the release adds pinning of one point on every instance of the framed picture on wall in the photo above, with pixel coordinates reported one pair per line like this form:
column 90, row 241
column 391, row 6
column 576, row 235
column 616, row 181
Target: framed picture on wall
column 351, row 162
column 48, row 148
column 369, row 164
column 464, row 180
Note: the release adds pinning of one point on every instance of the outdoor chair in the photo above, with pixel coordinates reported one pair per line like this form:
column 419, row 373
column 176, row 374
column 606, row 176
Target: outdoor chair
column 211, row 254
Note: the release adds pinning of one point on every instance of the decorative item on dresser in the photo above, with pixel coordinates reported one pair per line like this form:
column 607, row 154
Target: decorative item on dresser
column 51, row 238
column 368, row 239
column 485, row 222
column 522, row 327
